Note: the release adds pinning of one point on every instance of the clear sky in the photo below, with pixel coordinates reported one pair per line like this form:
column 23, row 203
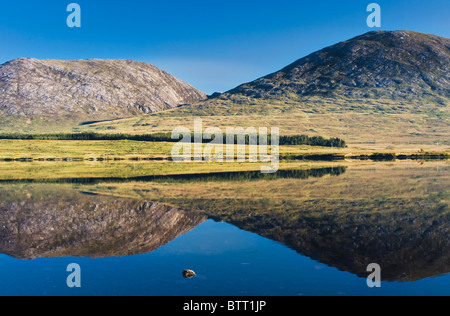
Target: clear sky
column 214, row 45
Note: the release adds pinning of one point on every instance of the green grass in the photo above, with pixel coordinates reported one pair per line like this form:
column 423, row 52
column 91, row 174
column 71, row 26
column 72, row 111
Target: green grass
column 61, row 149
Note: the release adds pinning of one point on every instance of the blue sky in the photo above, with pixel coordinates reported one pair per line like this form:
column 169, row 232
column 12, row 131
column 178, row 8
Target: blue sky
column 213, row 45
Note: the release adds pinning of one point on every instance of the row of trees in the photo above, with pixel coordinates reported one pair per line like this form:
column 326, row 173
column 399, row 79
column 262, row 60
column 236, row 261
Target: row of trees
column 167, row 137
column 312, row 141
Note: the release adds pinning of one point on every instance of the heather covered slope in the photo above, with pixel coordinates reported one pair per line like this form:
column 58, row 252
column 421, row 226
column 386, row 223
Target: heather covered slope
column 398, row 65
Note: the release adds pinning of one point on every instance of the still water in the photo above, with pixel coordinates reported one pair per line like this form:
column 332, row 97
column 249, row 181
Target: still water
column 308, row 232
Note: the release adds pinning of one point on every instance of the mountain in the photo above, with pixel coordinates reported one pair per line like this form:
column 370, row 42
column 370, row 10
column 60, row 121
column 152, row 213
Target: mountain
column 88, row 89
column 382, row 87
column 397, row 65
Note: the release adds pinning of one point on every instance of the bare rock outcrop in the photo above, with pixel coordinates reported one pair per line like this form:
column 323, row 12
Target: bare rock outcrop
column 89, row 89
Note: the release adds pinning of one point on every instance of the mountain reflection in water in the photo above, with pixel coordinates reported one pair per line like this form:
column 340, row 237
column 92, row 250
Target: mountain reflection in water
column 346, row 222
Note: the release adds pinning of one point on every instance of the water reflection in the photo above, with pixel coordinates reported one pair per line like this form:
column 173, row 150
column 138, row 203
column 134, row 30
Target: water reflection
column 201, row 177
column 396, row 217
column 54, row 221
column 409, row 244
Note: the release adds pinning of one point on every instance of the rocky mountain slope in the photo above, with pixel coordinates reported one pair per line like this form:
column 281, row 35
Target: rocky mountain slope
column 380, row 64
column 88, row 89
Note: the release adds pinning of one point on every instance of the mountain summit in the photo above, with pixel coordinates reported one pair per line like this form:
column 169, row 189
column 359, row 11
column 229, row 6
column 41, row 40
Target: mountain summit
column 392, row 65
column 88, row 89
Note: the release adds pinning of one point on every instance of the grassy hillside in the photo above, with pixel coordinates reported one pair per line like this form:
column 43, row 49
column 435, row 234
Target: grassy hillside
column 355, row 126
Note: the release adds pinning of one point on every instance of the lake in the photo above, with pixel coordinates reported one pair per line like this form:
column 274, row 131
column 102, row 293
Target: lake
column 305, row 232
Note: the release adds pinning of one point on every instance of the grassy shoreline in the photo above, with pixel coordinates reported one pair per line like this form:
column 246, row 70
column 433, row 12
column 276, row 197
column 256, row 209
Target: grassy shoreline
column 310, row 157
column 128, row 150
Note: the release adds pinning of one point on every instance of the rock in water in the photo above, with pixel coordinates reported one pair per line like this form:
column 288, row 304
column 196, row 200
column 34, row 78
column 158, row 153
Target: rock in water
column 187, row 274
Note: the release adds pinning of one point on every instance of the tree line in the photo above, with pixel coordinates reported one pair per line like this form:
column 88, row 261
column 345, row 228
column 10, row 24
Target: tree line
column 167, row 137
